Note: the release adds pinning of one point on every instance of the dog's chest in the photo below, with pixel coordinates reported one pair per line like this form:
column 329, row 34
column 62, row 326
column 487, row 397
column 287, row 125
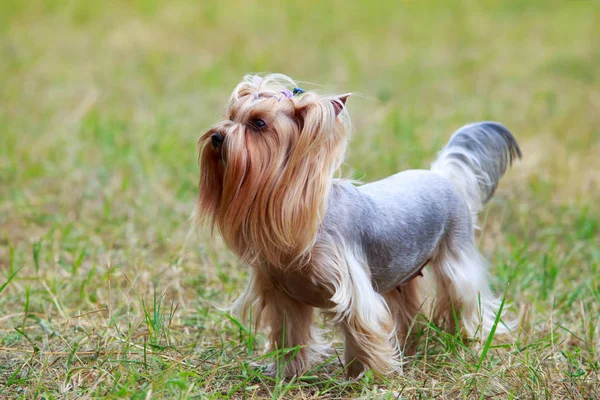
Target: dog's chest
column 302, row 287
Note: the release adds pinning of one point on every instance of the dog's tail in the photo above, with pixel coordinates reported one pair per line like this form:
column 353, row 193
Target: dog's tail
column 475, row 159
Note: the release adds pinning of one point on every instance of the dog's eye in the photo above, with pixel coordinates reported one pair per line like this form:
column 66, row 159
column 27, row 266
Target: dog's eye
column 258, row 123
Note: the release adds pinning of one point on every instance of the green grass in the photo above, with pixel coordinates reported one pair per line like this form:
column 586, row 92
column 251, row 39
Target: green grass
column 104, row 292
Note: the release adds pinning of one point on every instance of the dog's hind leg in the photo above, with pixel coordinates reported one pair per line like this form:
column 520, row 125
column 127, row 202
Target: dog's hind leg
column 462, row 288
column 405, row 303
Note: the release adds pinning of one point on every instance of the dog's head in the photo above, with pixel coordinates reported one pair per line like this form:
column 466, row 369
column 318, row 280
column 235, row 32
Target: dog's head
column 267, row 168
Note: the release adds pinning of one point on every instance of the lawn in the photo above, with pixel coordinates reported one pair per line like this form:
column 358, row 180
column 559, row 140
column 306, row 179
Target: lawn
column 106, row 288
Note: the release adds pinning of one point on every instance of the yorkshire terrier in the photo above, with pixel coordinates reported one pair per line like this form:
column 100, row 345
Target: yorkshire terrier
column 355, row 251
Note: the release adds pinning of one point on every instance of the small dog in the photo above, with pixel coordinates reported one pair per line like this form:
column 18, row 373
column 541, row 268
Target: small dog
column 354, row 251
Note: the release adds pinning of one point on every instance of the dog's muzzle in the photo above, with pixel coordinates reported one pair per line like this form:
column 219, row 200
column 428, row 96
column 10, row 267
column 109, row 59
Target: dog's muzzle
column 217, row 140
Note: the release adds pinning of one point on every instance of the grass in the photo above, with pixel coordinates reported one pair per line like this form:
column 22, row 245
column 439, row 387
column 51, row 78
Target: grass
column 104, row 292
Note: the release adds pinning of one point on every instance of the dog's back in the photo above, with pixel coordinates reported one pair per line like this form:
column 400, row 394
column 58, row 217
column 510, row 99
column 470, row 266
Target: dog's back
column 397, row 222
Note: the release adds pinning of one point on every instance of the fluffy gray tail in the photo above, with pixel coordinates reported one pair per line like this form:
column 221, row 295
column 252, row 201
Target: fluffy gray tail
column 475, row 159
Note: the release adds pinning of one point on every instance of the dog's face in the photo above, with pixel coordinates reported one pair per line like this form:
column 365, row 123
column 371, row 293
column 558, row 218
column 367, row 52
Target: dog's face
column 267, row 168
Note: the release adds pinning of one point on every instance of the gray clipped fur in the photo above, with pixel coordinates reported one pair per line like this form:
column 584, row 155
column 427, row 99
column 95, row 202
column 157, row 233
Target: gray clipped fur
column 488, row 148
column 400, row 222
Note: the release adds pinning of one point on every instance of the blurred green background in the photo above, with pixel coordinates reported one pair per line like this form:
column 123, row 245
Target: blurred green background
column 101, row 103
column 150, row 76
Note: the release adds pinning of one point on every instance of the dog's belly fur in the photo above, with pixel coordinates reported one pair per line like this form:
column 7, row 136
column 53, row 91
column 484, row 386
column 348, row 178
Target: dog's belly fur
column 397, row 223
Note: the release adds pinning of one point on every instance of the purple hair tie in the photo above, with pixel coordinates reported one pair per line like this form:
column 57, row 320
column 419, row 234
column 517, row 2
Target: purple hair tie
column 287, row 93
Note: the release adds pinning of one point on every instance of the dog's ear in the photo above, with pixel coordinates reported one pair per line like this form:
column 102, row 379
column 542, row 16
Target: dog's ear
column 339, row 103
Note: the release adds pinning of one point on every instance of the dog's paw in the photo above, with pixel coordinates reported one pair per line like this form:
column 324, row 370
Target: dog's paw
column 265, row 369
column 269, row 370
column 290, row 370
column 354, row 370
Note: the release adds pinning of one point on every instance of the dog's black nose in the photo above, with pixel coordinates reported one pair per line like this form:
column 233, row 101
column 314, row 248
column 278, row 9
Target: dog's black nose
column 217, row 140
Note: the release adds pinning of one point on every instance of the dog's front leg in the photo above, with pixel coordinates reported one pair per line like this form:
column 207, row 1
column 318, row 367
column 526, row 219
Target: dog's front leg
column 288, row 318
column 291, row 324
column 370, row 343
column 365, row 319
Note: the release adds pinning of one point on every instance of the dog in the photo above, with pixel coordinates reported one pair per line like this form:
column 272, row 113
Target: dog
column 267, row 183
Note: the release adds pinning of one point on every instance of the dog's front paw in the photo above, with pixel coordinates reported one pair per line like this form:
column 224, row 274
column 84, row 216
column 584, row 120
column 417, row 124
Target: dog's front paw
column 287, row 369
column 354, row 370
